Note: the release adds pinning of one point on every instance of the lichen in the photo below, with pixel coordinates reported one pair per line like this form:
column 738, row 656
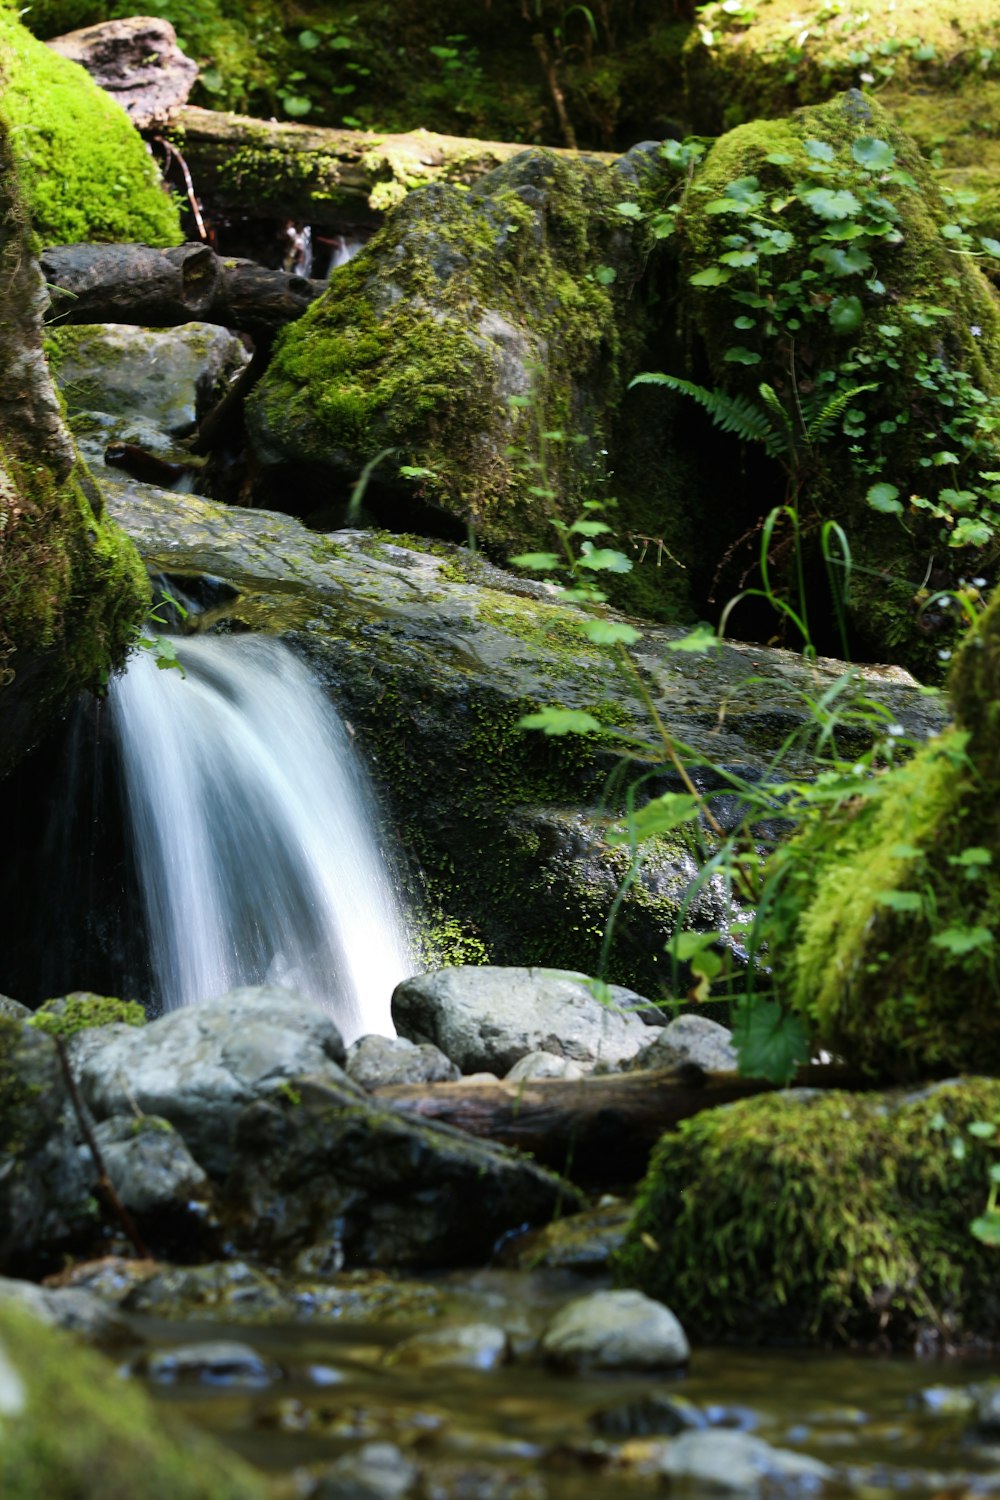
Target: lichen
column 85, row 172
column 823, row 1216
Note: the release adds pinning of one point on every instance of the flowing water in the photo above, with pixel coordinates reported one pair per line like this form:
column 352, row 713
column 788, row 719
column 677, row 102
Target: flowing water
column 255, row 833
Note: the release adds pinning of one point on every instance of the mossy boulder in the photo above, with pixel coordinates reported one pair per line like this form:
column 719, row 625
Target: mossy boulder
column 72, row 588
column 85, row 172
column 72, row 1429
column 812, row 251
column 887, row 910
column 471, row 326
column 818, row 1217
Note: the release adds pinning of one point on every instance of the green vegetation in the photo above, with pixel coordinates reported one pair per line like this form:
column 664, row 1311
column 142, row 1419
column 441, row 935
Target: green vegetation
column 80, row 1012
column 825, row 1216
column 84, row 170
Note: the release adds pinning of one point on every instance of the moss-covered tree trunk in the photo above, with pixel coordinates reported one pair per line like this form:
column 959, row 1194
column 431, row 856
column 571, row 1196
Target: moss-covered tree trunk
column 72, row 587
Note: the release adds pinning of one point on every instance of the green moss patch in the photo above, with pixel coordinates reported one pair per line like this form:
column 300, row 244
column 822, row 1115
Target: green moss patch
column 818, row 1217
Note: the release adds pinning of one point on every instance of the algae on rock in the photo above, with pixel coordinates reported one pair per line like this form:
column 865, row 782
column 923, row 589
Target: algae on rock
column 823, row 1216
column 84, row 170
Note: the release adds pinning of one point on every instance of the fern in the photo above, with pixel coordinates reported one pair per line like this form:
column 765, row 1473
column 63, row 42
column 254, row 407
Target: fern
column 730, row 413
column 819, row 425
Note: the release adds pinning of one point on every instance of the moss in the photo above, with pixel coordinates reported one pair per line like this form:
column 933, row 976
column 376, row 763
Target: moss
column 958, row 130
column 85, row 171
column 884, row 928
column 80, row 1011
column 823, row 1217
column 82, row 1430
column 16, row 1093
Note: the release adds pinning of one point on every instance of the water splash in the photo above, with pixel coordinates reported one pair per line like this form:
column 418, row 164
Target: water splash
column 256, row 835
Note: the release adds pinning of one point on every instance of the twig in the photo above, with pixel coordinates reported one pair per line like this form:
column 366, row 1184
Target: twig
column 172, row 152
column 558, row 99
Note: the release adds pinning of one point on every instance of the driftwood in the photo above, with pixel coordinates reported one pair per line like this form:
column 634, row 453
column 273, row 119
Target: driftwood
column 162, row 288
column 595, row 1130
column 265, row 169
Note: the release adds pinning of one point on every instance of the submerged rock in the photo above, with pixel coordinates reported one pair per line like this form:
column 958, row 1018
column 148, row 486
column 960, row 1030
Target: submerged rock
column 736, row 1463
column 228, row 1364
column 471, row 1346
column 488, row 1019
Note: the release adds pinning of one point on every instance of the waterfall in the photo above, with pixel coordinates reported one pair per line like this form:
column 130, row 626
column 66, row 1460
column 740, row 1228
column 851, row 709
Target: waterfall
column 255, row 833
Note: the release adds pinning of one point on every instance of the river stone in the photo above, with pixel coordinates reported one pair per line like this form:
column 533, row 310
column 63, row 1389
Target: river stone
column 615, row 1331
column 543, row 1065
column 375, row 1471
column 487, row 1019
column 224, row 1363
column 656, row 1414
column 141, row 385
column 198, row 1066
column 378, row 1061
column 471, row 1346
column 690, row 1039
column 727, row 1462
column 77, row 1311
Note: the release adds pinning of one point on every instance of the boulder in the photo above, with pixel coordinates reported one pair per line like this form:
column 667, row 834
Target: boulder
column 137, row 61
column 69, row 1425
column 158, row 1180
column 487, row 1019
column 615, row 1331
column 374, row 1061
column 847, row 1218
column 689, row 1039
column 738, row 1463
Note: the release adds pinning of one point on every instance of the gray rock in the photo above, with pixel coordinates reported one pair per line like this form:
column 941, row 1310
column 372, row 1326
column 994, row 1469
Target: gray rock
column 689, row 1039
column 77, row 1311
column 543, row 1065
column 375, row 1471
column 139, row 385
column 223, row 1363
column 377, row 1061
column 615, row 1331
column 471, row 1346
column 14, row 1009
column 137, row 61
column 197, row 1067
column 649, row 1416
column 149, row 1165
column 489, row 1018
column 724, row 1462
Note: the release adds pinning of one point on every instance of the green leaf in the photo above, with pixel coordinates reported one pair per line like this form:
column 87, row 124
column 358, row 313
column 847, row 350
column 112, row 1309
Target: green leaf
column 541, row 562
column 610, row 632
column 838, row 262
column 819, row 150
column 846, row 314
column 991, row 246
column 983, row 1130
column 309, row 40
column 605, row 275
column 961, row 940
column 711, row 276
column 901, row 900
column 414, row 471
column 976, row 856
column 830, row 203
column 296, row 105
column 970, row 533
column 868, row 151
column 885, row 498
column 771, row 1043
column 629, row 210
column 986, row 1228
column 589, row 528
column 661, row 815
column 687, row 945
column 561, row 721
column 701, row 638
column 737, row 355
column 945, row 456
column 739, row 258
column 604, row 560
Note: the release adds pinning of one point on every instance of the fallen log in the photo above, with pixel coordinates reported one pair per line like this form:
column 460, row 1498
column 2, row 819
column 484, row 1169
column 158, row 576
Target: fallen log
column 162, row 288
column 267, row 169
column 594, row 1130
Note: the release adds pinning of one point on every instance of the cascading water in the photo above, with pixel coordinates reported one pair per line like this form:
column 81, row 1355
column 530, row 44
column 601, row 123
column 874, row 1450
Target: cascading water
column 255, row 833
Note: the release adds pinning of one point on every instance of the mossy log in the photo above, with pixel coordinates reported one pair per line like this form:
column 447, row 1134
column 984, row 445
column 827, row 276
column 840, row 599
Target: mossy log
column 163, row 288
column 593, row 1130
column 266, row 169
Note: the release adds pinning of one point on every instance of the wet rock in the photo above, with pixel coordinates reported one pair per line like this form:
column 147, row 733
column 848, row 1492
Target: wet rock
column 137, row 61
column 13, row 1009
column 148, row 387
column 490, row 1018
column 374, row 1061
column 657, row 1414
column 690, row 1039
column 543, row 1065
column 71, row 1308
column 376, row 1471
column 615, row 1331
column 199, row 1066
column 472, row 1346
column 947, row 1401
column 159, row 1182
column 583, row 1243
column 737, row 1463
column 222, row 1363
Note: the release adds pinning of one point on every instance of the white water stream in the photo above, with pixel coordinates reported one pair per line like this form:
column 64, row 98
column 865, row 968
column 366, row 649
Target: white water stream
column 256, row 834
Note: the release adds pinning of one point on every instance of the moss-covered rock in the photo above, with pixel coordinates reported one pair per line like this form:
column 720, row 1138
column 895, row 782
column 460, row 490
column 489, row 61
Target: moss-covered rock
column 813, row 253
column 72, row 1429
column 85, row 172
column 818, row 1217
column 72, row 588
column 887, row 910
column 80, row 1011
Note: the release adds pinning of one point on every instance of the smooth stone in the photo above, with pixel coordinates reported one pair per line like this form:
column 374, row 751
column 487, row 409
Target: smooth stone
column 690, row 1039
column 77, row 1311
column 543, row 1065
column 615, row 1331
column 471, row 1346
column 737, row 1463
column 150, row 1167
column 220, row 1363
column 375, row 1471
column 379, row 1061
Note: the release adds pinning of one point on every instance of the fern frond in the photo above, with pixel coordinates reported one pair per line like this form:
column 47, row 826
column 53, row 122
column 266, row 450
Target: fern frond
column 730, row 413
column 819, row 425
column 785, row 436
